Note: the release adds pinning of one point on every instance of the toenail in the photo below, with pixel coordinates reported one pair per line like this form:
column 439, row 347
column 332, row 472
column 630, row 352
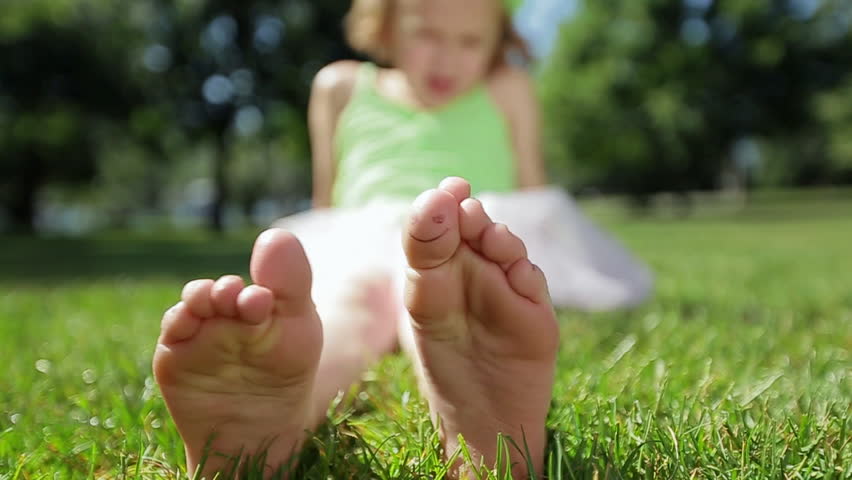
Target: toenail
column 439, row 219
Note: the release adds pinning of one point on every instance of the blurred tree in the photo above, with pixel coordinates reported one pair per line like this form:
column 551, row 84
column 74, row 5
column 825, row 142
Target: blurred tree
column 160, row 73
column 227, row 70
column 58, row 82
column 668, row 95
column 834, row 110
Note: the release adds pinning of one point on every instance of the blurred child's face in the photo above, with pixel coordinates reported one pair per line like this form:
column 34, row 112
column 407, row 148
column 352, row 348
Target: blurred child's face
column 445, row 47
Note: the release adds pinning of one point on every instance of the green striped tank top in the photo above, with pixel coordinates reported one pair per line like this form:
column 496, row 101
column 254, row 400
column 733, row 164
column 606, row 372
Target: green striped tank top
column 386, row 150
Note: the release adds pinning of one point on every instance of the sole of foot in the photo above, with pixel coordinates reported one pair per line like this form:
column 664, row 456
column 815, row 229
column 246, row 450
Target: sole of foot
column 484, row 328
column 236, row 364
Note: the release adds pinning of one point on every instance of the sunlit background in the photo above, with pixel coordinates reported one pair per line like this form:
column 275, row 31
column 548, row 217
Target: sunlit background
column 144, row 143
column 152, row 114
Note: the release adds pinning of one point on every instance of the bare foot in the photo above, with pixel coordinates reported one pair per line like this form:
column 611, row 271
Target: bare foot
column 484, row 328
column 239, row 362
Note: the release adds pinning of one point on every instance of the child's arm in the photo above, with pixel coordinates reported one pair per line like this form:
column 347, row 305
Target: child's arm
column 512, row 89
column 330, row 92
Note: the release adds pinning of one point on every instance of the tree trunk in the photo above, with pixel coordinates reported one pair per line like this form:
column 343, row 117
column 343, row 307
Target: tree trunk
column 220, row 184
column 22, row 207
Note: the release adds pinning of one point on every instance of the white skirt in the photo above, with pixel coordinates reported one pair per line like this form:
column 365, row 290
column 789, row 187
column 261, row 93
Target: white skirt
column 586, row 269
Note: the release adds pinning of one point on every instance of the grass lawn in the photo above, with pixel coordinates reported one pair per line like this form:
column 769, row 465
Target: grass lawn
column 740, row 367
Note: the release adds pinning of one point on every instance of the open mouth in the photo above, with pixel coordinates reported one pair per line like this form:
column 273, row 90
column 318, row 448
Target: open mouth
column 441, row 85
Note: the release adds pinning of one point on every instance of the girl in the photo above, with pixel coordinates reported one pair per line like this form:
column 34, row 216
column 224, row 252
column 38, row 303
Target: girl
column 451, row 104
column 263, row 362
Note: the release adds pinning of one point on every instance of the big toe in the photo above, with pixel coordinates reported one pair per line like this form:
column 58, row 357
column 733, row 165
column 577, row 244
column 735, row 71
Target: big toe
column 432, row 235
column 279, row 264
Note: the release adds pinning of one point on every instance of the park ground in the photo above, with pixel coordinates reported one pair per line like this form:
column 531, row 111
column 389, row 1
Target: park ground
column 739, row 367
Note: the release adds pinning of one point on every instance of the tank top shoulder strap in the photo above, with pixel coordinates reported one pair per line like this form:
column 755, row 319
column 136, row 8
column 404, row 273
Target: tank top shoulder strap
column 365, row 82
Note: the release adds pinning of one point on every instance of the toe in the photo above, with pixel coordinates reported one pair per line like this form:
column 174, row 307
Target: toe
column 501, row 246
column 196, row 296
column 472, row 222
column 457, row 186
column 178, row 325
column 528, row 281
column 432, row 235
column 224, row 293
column 278, row 263
column 254, row 304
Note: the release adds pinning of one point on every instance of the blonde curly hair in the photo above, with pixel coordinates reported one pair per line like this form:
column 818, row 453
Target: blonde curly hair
column 368, row 23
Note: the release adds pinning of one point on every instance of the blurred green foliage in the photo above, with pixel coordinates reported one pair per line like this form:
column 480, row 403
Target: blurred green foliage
column 136, row 108
column 118, row 95
column 671, row 95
